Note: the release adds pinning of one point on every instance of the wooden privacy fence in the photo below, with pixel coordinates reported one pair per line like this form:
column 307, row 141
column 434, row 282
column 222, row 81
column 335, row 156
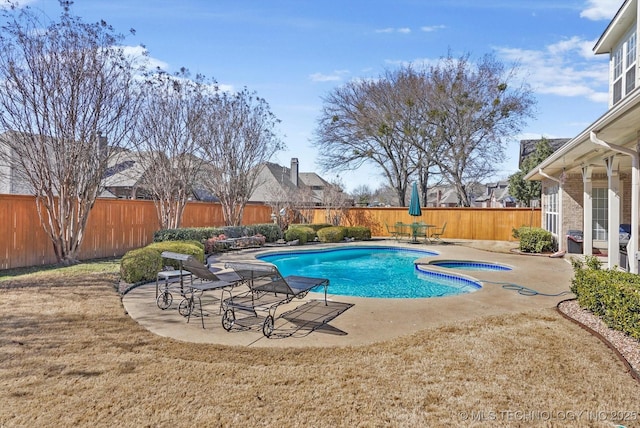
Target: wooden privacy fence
column 116, row 226
column 494, row 224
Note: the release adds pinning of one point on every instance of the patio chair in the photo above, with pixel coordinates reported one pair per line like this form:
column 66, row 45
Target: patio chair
column 438, row 232
column 268, row 289
column 202, row 280
column 392, row 231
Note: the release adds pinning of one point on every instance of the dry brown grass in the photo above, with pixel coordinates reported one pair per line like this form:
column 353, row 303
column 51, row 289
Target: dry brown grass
column 70, row 356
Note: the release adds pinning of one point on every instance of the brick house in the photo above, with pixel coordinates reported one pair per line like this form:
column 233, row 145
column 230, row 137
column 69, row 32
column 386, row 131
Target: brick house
column 592, row 182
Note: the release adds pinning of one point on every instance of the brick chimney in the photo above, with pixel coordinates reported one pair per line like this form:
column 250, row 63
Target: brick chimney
column 294, row 171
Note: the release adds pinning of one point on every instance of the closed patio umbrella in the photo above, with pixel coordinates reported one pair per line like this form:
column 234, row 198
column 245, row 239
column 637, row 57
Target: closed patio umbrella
column 414, row 204
column 414, row 209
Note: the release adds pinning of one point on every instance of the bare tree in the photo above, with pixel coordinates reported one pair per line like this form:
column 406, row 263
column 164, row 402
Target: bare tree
column 168, row 137
column 240, row 136
column 335, row 202
column 65, row 87
column 363, row 195
column 473, row 108
column 379, row 122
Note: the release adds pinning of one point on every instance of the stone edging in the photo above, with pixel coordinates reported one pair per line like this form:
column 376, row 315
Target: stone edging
column 604, row 340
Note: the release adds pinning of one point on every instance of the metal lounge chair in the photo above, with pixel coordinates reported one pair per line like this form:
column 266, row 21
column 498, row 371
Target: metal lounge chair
column 202, row 280
column 268, row 289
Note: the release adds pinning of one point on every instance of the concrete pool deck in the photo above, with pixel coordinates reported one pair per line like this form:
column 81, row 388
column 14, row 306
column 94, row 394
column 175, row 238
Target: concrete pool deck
column 373, row 320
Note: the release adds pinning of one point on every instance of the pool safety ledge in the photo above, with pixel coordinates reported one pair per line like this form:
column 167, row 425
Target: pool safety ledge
column 468, row 265
column 468, row 284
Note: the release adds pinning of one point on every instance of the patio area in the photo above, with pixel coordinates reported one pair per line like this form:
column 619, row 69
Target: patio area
column 371, row 320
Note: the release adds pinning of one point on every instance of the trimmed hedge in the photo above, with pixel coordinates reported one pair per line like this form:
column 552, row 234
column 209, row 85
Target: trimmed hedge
column 303, row 233
column 611, row 294
column 270, row 231
column 359, row 233
column 534, row 239
column 332, row 234
column 140, row 265
column 143, row 264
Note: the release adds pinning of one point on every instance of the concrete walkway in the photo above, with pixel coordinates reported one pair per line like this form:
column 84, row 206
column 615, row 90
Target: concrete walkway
column 371, row 320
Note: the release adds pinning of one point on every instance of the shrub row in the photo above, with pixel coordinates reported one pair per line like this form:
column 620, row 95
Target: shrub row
column 326, row 233
column 270, row 231
column 143, row 264
column 533, row 239
column 611, row 294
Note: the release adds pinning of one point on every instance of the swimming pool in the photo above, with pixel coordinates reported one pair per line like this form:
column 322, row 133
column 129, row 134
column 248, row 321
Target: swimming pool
column 381, row 272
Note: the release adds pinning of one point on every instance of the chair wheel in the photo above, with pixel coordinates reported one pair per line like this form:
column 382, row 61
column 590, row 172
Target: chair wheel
column 228, row 319
column 267, row 327
column 164, row 300
column 186, row 307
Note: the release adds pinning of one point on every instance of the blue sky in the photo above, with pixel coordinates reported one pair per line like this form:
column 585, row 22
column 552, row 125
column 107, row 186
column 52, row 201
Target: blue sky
column 294, row 52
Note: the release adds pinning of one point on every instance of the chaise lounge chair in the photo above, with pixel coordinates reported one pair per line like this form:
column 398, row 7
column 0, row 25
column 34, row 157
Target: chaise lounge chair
column 268, row 289
column 202, row 280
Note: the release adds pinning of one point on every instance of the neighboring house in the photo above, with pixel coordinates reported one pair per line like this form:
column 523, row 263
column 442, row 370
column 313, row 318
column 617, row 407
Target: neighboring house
column 124, row 176
column 527, row 147
column 497, row 196
column 277, row 183
column 446, row 196
column 125, row 179
column 12, row 177
column 592, row 182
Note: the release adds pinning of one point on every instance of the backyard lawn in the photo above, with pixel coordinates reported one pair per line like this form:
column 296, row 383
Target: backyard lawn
column 71, row 356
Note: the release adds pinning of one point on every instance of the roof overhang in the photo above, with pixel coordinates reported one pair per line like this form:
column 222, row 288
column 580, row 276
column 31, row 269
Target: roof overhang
column 617, row 28
column 619, row 126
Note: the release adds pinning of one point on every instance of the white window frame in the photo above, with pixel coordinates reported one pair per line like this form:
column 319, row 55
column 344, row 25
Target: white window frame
column 600, row 205
column 623, row 65
column 551, row 209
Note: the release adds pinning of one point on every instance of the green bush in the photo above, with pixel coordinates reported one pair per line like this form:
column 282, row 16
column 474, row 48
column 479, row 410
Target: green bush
column 270, row 231
column 199, row 234
column 140, row 265
column 611, row 294
column 303, row 233
column 192, row 248
column 332, row 234
column 534, row 239
column 318, row 226
column 359, row 233
column 143, row 264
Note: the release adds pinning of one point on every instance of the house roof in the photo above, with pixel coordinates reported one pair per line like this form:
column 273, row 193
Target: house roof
column 617, row 28
column 617, row 126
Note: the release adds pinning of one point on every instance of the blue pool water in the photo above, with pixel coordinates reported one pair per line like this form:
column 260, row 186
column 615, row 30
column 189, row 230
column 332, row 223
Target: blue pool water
column 386, row 272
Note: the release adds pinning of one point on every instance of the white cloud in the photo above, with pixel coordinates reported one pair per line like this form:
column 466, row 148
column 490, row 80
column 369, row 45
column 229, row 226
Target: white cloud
column 4, row 4
column 140, row 57
column 335, row 76
column 567, row 68
column 403, row 30
column 432, row 28
column 600, row 9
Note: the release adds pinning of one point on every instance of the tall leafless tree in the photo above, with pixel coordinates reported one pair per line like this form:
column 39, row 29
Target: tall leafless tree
column 473, row 108
column 377, row 122
column 65, row 88
column 240, row 136
column 168, row 137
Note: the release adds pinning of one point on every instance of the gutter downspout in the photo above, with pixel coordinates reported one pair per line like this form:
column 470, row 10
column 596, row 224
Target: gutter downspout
column 561, row 244
column 632, row 246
